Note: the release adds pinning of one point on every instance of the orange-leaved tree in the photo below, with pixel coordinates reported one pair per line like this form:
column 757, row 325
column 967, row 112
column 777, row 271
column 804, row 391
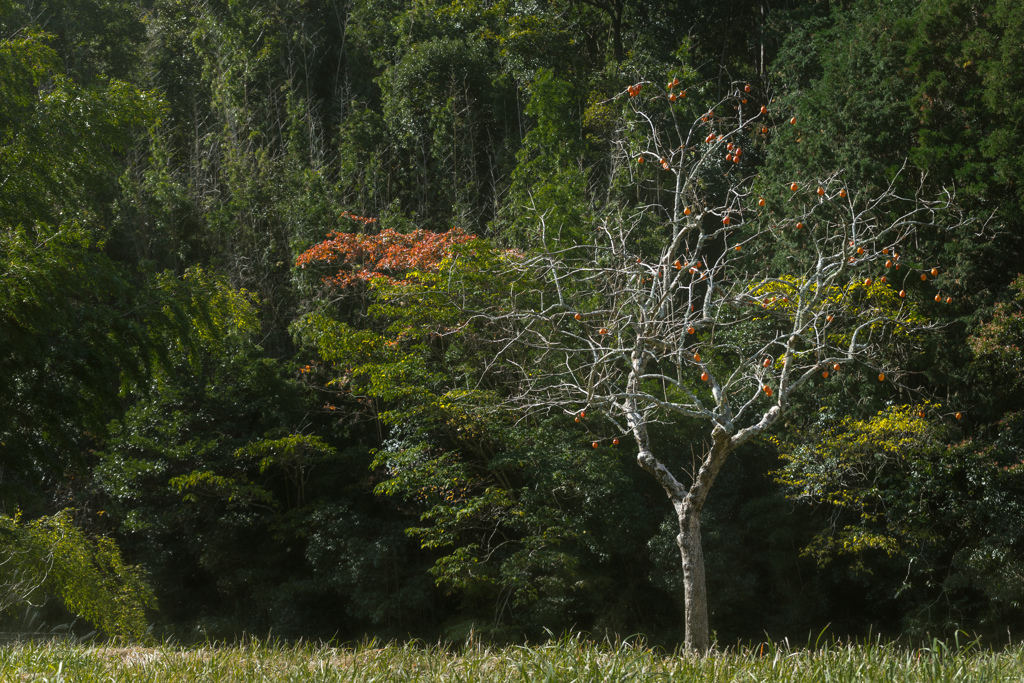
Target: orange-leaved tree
column 371, row 363
column 356, row 257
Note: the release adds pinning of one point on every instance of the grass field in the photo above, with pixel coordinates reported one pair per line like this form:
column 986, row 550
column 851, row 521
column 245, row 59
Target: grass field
column 569, row 660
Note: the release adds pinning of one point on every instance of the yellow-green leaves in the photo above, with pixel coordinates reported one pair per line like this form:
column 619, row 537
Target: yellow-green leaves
column 50, row 555
column 858, row 467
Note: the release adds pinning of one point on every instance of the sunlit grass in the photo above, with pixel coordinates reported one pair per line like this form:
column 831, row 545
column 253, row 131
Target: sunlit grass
column 569, row 660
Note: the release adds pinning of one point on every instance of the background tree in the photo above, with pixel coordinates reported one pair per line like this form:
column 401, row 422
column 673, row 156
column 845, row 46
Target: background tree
column 934, row 518
column 511, row 515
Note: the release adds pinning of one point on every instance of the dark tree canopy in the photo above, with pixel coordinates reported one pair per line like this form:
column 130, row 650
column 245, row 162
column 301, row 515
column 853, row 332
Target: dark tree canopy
column 269, row 273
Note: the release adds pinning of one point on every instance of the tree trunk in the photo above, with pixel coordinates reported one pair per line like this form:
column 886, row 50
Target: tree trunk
column 698, row 637
column 688, row 509
column 616, row 21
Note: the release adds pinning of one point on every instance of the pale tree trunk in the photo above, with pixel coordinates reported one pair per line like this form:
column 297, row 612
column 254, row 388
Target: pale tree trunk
column 688, row 503
column 698, row 635
column 695, row 612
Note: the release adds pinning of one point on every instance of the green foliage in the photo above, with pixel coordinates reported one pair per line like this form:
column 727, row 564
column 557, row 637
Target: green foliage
column 61, row 140
column 171, row 479
column 875, row 84
column 511, row 514
column 870, row 85
column 52, row 556
column 75, row 325
column 366, row 557
column 858, row 466
column 898, row 487
column 75, row 334
column 548, row 204
column 967, row 62
column 227, row 477
column 867, row 130
column 94, row 38
column 437, row 108
column 996, row 347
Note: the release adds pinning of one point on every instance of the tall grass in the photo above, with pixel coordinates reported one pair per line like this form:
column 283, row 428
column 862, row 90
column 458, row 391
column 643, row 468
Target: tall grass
column 571, row 659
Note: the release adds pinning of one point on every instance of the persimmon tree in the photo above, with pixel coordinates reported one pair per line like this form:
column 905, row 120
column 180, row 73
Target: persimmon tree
column 714, row 296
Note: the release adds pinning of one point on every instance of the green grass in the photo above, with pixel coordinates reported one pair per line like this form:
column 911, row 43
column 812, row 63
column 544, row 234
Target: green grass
column 568, row 660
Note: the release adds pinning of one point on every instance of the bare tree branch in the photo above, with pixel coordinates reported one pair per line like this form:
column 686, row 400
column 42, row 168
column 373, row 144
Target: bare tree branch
column 709, row 302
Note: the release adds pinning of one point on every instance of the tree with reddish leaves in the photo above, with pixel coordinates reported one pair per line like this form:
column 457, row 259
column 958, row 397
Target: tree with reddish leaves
column 355, row 257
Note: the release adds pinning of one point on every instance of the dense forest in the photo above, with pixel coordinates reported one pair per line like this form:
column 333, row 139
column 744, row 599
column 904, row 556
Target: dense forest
column 264, row 266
